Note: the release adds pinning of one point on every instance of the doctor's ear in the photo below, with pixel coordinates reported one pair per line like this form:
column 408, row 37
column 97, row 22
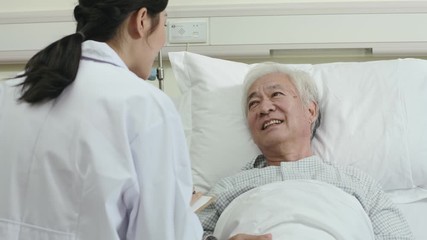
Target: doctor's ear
column 139, row 23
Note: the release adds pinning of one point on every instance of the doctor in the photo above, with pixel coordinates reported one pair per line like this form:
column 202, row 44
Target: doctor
column 88, row 149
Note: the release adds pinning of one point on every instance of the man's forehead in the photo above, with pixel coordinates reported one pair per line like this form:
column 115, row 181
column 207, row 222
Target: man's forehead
column 271, row 79
column 271, row 83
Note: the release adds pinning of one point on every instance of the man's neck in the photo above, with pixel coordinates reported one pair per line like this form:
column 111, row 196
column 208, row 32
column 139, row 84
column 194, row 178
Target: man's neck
column 290, row 154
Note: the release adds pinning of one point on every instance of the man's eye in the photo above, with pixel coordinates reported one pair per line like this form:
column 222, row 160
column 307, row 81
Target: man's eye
column 252, row 104
column 275, row 94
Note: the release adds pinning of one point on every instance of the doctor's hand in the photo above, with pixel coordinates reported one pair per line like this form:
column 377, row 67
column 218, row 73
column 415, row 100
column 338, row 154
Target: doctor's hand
column 240, row 236
column 195, row 197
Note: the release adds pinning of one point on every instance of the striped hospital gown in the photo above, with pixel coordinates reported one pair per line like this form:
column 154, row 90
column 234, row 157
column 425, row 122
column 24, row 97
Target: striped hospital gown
column 387, row 221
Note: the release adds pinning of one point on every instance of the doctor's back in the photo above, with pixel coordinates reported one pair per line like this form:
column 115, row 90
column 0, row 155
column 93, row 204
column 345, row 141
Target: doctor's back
column 104, row 159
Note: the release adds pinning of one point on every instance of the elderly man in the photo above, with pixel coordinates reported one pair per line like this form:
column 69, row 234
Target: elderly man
column 282, row 111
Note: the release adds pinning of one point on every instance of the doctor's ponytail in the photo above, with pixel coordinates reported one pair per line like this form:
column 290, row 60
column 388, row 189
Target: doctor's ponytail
column 52, row 69
column 55, row 67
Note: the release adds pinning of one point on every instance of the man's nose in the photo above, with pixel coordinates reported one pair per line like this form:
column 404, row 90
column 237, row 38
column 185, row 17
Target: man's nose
column 267, row 106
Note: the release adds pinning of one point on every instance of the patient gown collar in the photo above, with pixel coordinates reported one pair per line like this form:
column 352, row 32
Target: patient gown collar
column 261, row 162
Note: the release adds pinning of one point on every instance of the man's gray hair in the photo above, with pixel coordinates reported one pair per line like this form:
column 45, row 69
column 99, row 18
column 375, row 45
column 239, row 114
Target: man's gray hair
column 302, row 81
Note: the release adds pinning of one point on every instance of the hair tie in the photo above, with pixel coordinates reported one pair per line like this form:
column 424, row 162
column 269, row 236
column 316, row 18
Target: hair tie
column 81, row 34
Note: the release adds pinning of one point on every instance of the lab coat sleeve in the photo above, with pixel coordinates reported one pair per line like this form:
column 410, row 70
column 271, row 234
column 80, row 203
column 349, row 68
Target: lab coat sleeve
column 162, row 209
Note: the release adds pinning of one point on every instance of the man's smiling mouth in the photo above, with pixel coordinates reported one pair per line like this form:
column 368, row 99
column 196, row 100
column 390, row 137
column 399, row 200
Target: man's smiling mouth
column 271, row 122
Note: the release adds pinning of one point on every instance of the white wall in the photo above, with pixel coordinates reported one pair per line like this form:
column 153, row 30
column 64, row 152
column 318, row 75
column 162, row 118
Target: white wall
column 8, row 71
column 170, row 86
column 46, row 5
column 30, row 5
column 207, row 2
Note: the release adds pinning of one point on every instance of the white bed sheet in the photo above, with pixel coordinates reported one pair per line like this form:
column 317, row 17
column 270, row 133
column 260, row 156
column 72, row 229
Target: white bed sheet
column 416, row 214
column 303, row 209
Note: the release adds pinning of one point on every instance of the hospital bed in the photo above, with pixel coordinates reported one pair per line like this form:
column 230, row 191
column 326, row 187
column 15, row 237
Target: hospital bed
column 367, row 59
column 373, row 118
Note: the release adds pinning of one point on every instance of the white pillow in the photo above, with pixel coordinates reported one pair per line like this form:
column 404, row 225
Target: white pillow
column 373, row 117
column 213, row 121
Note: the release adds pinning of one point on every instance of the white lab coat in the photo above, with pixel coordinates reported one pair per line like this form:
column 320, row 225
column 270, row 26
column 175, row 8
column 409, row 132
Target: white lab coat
column 106, row 160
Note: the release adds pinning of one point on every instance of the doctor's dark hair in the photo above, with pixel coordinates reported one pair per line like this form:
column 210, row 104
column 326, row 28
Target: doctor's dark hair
column 55, row 67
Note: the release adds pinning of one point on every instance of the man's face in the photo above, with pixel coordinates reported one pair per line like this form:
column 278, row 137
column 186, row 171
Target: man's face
column 275, row 112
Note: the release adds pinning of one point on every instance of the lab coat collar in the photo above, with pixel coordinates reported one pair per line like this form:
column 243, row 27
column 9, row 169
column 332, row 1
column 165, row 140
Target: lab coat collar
column 101, row 52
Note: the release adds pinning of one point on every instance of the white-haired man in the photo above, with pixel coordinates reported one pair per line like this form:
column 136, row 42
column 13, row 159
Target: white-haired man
column 282, row 111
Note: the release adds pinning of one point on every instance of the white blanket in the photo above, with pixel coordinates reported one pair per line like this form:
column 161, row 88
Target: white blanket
column 296, row 210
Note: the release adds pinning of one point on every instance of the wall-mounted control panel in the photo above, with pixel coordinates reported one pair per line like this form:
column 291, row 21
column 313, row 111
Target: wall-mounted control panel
column 194, row 30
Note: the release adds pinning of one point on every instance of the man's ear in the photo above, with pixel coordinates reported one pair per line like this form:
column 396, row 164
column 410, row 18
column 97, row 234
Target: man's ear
column 312, row 111
column 140, row 22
